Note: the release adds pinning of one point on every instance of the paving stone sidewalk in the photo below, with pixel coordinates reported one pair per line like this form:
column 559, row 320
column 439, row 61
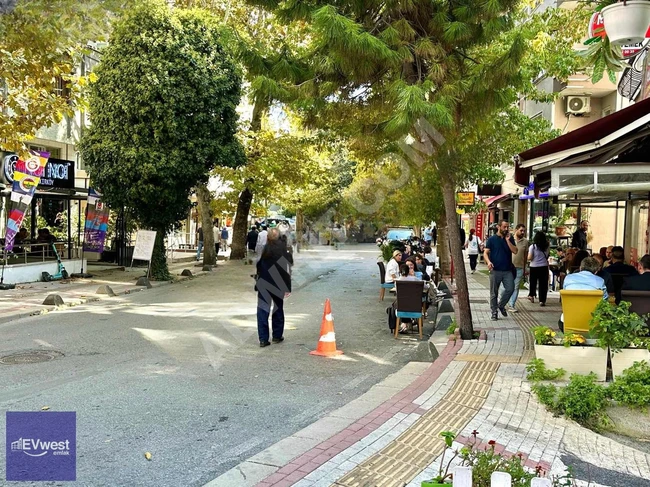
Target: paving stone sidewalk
column 390, row 436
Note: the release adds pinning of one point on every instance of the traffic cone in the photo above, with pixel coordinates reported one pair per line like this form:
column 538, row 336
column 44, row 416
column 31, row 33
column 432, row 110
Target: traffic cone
column 327, row 343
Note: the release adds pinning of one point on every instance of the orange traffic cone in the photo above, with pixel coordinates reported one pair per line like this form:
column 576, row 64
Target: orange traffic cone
column 327, row 343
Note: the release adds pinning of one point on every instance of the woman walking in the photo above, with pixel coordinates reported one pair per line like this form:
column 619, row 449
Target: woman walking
column 538, row 258
column 473, row 246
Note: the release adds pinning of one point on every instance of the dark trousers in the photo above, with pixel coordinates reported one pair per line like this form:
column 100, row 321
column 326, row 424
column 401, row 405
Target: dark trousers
column 263, row 312
column 216, row 246
column 472, row 261
column 539, row 275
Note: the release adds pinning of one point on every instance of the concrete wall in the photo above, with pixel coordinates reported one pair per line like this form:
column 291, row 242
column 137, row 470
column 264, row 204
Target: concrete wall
column 19, row 273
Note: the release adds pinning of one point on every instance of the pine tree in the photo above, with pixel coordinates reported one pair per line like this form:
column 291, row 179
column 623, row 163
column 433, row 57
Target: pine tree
column 455, row 64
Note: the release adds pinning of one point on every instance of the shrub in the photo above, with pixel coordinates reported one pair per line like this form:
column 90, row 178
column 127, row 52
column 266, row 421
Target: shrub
column 582, row 400
column 451, row 329
column 485, row 462
column 537, row 371
column 633, row 386
column 616, row 327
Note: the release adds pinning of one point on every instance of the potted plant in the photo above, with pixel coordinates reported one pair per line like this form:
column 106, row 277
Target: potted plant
column 626, row 22
column 443, row 475
column 571, row 352
column 559, row 222
column 622, row 332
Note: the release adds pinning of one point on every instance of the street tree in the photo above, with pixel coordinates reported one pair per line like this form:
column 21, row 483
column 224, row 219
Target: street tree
column 41, row 44
column 450, row 65
column 163, row 115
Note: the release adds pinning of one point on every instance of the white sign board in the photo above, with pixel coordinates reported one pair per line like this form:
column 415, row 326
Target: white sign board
column 144, row 242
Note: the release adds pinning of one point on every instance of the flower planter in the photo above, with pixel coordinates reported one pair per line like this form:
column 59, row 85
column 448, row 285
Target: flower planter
column 625, row 358
column 626, row 22
column 575, row 360
column 560, row 230
column 427, row 483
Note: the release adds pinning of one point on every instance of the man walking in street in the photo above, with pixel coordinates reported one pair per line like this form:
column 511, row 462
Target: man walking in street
column 519, row 261
column 199, row 243
column 273, row 285
column 434, row 236
column 579, row 240
column 498, row 253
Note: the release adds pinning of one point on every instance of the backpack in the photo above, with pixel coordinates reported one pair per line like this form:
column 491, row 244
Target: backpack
column 392, row 318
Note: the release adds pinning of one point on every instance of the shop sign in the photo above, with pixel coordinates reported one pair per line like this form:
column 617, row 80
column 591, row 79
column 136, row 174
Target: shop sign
column 479, row 224
column 465, row 199
column 58, row 173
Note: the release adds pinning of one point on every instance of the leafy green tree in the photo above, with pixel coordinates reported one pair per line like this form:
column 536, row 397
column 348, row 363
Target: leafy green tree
column 41, row 44
column 163, row 115
column 454, row 64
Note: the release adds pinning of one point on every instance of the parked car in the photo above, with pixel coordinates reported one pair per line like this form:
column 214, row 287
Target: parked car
column 399, row 233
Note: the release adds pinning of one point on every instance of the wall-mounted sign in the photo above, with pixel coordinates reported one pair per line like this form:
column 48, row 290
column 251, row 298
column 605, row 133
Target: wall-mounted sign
column 58, row 172
column 465, row 199
column 489, row 190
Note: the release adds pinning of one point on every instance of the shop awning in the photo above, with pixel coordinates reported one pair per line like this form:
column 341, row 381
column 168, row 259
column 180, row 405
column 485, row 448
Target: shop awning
column 494, row 200
column 595, row 143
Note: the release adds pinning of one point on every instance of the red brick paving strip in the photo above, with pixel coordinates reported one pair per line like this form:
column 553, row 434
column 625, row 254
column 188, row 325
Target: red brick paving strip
column 402, row 402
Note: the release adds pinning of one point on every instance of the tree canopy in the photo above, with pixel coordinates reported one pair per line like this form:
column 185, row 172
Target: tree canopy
column 163, row 112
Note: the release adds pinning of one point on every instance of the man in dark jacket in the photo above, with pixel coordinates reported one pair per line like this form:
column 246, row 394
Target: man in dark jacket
column 619, row 270
column 251, row 242
column 273, row 285
column 642, row 281
column 579, row 240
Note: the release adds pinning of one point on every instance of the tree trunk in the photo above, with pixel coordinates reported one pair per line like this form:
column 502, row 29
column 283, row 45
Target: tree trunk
column 204, row 197
column 240, row 227
column 299, row 224
column 443, row 249
column 159, row 269
column 453, row 230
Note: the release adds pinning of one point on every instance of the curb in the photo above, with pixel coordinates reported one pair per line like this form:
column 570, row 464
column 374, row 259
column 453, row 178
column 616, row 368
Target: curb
column 297, row 455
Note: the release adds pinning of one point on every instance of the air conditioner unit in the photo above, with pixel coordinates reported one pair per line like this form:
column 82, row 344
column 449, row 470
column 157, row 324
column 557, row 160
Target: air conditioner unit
column 578, row 105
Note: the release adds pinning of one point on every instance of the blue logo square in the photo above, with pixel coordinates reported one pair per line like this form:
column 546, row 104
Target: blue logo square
column 41, row 446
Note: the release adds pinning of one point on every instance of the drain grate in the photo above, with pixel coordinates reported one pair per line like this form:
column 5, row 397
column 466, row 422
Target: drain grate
column 30, row 357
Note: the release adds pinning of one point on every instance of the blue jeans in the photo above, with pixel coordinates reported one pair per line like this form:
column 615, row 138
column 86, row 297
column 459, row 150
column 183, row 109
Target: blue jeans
column 515, row 293
column 199, row 248
column 264, row 310
column 496, row 279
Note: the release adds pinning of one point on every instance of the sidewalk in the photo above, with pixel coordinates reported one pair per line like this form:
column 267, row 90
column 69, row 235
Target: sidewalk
column 27, row 299
column 390, row 435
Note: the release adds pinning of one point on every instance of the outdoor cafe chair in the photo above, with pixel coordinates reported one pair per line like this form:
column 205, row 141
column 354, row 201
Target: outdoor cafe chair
column 577, row 306
column 640, row 301
column 409, row 303
column 382, row 279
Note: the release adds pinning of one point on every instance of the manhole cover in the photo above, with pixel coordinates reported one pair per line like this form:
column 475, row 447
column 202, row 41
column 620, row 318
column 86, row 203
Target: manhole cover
column 30, row 357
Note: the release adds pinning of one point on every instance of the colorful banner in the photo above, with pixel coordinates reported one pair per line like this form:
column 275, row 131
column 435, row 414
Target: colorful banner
column 26, row 178
column 465, row 199
column 96, row 223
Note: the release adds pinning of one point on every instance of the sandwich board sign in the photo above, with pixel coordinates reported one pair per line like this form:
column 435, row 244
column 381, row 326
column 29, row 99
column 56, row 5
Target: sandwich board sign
column 144, row 243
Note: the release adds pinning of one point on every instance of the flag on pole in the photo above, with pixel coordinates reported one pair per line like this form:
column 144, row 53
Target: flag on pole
column 96, row 222
column 27, row 175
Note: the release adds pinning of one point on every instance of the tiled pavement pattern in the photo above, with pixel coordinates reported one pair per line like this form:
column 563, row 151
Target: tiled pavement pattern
column 473, row 386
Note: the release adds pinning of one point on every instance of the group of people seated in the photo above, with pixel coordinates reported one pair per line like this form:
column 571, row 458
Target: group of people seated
column 23, row 238
column 611, row 276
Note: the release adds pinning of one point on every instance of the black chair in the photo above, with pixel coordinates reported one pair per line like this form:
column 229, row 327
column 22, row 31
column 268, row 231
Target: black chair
column 409, row 303
column 640, row 301
column 618, row 280
column 382, row 280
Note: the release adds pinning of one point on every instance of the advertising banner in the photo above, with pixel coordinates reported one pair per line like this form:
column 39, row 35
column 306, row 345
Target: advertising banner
column 27, row 175
column 465, row 199
column 96, row 224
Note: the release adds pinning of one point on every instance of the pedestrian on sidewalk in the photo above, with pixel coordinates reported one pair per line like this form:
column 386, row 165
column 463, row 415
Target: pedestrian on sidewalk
column 199, row 244
column 272, row 286
column 216, row 233
column 473, row 246
column 538, row 257
column 224, row 238
column 434, row 235
column 251, row 243
column 519, row 261
column 498, row 253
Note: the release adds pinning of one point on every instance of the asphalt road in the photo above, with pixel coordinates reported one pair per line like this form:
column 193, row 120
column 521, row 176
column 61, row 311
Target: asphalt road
column 177, row 370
